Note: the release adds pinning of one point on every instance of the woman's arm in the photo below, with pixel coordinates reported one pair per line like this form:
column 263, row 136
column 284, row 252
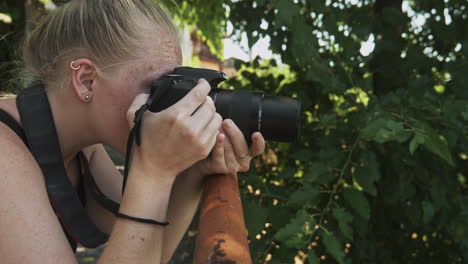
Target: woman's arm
column 184, row 199
column 187, row 188
column 30, row 231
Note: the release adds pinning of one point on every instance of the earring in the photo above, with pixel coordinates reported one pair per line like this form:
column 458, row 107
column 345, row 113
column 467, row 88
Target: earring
column 73, row 67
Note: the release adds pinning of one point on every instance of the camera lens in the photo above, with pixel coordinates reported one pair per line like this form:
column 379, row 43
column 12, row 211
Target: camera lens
column 276, row 117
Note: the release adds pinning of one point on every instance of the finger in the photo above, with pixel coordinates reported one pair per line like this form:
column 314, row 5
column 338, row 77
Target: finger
column 230, row 156
column 204, row 114
column 236, row 137
column 139, row 100
column 211, row 130
column 190, row 102
column 218, row 151
column 258, row 144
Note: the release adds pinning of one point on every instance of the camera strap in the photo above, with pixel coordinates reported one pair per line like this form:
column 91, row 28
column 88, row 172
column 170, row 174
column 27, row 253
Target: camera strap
column 160, row 90
column 39, row 128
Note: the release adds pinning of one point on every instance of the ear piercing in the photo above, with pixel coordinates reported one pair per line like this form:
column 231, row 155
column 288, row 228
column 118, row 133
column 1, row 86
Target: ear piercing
column 86, row 96
column 73, row 67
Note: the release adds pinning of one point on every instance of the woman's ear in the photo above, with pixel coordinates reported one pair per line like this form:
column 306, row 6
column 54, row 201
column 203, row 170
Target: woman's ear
column 83, row 74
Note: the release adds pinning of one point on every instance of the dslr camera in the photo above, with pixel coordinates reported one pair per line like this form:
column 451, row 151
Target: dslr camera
column 276, row 117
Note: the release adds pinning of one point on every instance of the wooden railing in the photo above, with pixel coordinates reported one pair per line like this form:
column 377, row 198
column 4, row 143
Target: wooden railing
column 222, row 236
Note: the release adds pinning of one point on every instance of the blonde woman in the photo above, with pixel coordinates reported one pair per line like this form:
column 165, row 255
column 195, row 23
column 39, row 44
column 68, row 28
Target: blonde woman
column 95, row 60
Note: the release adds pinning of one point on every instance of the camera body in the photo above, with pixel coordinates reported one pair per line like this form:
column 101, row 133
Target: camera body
column 276, row 117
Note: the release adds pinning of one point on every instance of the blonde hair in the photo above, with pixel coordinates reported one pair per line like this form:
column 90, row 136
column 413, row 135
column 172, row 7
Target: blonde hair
column 105, row 31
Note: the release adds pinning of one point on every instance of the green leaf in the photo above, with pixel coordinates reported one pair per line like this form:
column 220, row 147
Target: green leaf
column 295, row 233
column 415, row 142
column 369, row 173
column 438, row 145
column 316, row 171
column 255, row 217
column 344, row 220
column 357, row 201
column 428, row 212
column 304, row 196
column 283, row 255
column 312, row 258
column 383, row 130
column 302, row 155
column 317, row 6
column 333, row 247
column 458, row 227
column 287, row 10
column 302, row 44
column 439, row 194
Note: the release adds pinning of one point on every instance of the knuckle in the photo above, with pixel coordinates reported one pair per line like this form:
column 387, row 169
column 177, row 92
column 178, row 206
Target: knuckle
column 204, row 153
column 189, row 134
column 199, row 95
column 218, row 119
column 204, row 83
column 173, row 117
column 210, row 103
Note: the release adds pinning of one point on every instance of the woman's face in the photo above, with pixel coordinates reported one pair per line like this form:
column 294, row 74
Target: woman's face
column 117, row 90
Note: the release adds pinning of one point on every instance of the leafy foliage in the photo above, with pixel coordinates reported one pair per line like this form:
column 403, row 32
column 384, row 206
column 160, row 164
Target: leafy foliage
column 379, row 174
column 380, row 170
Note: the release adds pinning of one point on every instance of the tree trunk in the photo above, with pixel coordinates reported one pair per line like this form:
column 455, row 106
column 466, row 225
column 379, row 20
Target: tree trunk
column 388, row 47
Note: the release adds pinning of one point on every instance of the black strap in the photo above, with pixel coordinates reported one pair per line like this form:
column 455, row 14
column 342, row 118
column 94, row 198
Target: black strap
column 97, row 194
column 8, row 120
column 41, row 134
column 160, row 89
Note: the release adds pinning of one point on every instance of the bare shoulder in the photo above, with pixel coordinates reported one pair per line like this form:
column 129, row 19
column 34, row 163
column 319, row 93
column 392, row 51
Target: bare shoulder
column 26, row 217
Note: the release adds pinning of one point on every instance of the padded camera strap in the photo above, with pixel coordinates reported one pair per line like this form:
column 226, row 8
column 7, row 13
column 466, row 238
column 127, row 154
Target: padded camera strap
column 41, row 134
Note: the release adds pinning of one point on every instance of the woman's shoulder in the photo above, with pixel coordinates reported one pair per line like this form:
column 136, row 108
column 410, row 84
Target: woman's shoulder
column 24, row 202
column 13, row 148
column 6, row 133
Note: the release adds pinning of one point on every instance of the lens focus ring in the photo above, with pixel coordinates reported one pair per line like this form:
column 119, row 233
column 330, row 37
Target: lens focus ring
column 240, row 111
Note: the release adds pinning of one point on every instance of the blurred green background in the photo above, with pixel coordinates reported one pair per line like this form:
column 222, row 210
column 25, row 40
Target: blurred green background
column 379, row 173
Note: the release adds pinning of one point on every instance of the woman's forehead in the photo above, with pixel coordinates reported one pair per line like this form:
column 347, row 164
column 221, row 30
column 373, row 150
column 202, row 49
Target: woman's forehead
column 163, row 48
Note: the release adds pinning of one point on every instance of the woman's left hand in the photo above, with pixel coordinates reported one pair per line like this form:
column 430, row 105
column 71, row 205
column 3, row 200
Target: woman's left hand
column 231, row 154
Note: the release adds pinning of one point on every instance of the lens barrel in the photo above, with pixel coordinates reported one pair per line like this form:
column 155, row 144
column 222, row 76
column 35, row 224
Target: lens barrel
column 276, row 117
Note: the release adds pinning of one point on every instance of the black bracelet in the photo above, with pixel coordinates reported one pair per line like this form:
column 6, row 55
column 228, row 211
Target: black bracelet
column 141, row 220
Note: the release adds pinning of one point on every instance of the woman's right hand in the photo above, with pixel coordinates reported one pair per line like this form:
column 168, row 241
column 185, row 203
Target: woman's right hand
column 179, row 136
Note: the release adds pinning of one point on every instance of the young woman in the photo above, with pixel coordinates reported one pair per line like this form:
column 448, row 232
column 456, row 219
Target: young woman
column 96, row 60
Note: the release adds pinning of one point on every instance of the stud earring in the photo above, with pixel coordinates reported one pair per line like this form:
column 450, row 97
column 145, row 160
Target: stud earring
column 87, row 97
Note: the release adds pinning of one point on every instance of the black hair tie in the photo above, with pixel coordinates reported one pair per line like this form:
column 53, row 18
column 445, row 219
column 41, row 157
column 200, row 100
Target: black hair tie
column 141, row 220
